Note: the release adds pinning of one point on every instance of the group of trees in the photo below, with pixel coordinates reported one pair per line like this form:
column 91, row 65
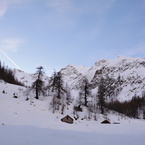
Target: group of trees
column 134, row 108
column 104, row 99
column 95, row 103
column 55, row 84
column 85, row 92
column 107, row 87
column 7, row 75
column 55, row 87
column 61, row 93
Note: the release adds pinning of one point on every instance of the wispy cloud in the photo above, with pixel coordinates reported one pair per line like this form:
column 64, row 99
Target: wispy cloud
column 137, row 51
column 4, row 5
column 70, row 12
column 11, row 44
column 60, row 6
column 58, row 14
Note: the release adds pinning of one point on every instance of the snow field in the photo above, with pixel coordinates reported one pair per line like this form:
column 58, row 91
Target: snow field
column 32, row 123
column 110, row 135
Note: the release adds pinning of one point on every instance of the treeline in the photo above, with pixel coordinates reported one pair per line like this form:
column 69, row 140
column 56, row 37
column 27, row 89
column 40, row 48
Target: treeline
column 55, row 87
column 134, row 108
column 7, row 75
column 95, row 103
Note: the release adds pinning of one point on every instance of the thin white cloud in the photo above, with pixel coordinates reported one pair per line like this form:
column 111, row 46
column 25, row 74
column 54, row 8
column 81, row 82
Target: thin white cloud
column 64, row 13
column 4, row 5
column 11, row 44
column 58, row 15
column 140, row 50
column 60, row 6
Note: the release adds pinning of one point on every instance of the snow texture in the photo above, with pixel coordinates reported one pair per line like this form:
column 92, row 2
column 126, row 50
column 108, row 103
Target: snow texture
column 33, row 123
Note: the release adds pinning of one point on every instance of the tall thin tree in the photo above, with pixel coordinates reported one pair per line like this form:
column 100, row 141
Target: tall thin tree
column 85, row 90
column 38, row 85
column 56, row 84
column 101, row 95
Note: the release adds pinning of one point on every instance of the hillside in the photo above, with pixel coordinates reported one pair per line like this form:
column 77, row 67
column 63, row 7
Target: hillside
column 122, row 79
column 26, row 78
column 33, row 123
column 26, row 120
column 129, row 70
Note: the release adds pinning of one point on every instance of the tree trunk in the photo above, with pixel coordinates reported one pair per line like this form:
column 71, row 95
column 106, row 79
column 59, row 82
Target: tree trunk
column 37, row 97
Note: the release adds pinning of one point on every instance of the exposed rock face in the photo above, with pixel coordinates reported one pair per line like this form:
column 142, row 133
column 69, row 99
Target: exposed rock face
column 124, row 77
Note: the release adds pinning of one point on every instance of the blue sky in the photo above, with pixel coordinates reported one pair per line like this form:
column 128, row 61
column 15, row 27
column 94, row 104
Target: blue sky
column 55, row 33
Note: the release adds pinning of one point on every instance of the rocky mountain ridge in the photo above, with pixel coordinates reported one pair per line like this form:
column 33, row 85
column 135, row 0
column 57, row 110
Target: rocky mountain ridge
column 129, row 71
column 124, row 77
column 120, row 79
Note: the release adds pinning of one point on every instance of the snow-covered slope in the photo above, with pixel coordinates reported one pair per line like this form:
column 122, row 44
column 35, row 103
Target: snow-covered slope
column 130, row 70
column 26, row 78
column 33, row 112
column 73, row 74
column 131, row 73
column 32, row 122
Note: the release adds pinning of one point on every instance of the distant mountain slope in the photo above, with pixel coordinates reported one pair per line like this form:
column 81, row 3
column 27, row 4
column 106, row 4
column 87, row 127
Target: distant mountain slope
column 123, row 78
column 130, row 71
column 126, row 76
column 26, row 78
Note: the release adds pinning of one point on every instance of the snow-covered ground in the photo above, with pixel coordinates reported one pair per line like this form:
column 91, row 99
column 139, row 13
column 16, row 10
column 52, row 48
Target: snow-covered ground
column 132, row 134
column 32, row 123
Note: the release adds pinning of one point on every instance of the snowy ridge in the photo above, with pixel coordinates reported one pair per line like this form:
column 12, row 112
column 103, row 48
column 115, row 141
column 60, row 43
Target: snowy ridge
column 73, row 74
column 31, row 122
column 27, row 79
column 130, row 70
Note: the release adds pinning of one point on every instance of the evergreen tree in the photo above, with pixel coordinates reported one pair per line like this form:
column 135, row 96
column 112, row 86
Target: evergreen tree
column 85, row 90
column 59, row 85
column 56, row 84
column 52, row 82
column 144, row 114
column 38, row 85
column 101, row 95
column 7, row 75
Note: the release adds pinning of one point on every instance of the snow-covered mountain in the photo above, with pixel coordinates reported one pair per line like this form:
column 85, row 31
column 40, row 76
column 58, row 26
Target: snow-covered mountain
column 124, row 78
column 26, row 78
column 129, row 71
column 32, row 122
column 73, row 74
column 127, row 74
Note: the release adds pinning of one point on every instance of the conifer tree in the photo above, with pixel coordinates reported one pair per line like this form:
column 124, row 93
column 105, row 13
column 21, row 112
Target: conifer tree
column 56, row 84
column 52, row 82
column 85, row 90
column 101, row 95
column 59, row 85
column 38, row 85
